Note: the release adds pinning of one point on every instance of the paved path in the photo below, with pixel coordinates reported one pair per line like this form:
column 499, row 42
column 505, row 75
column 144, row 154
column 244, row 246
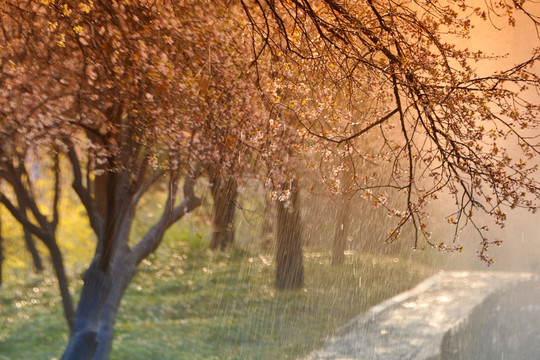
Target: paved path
column 413, row 324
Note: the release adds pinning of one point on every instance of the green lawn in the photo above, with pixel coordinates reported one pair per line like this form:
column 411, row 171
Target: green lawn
column 187, row 303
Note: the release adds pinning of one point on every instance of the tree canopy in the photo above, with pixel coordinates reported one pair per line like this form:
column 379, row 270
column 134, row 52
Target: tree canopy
column 399, row 69
column 136, row 94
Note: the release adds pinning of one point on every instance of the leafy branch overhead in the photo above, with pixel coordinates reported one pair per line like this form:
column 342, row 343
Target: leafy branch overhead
column 257, row 85
column 395, row 71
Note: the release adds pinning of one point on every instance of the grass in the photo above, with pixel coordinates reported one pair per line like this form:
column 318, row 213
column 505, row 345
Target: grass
column 188, row 303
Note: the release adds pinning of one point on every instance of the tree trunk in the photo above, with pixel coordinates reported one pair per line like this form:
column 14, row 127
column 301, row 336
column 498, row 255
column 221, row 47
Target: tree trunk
column 63, row 284
column 82, row 343
column 98, row 280
column 341, row 231
column 123, row 271
column 31, row 246
column 1, row 252
column 290, row 267
column 114, row 266
column 225, row 194
column 42, row 228
column 267, row 231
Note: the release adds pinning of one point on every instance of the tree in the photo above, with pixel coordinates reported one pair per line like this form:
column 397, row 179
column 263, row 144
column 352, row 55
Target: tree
column 30, row 245
column 224, row 191
column 289, row 261
column 1, row 251
column 140, row 95
column 443, row 128
column 42, row 223
column 268, row 223
column 343, row 220
column 341, row 231
column 137, row 96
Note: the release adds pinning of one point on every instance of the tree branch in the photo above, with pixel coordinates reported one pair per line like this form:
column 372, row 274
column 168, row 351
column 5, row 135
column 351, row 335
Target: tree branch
column 19, row 215
column 96, row 221
column 56, row 199
column 153, row 237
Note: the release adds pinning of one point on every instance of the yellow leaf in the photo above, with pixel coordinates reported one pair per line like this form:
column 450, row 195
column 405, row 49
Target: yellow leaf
column 62, row 41
column 84, row 7
column 66, row 10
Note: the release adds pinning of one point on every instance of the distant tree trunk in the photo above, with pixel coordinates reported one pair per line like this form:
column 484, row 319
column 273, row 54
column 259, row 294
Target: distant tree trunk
column 341, row 231
column 31, row 247
column 1, row 251
column 267, row 230
column 290, row 266
column 225, row 194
